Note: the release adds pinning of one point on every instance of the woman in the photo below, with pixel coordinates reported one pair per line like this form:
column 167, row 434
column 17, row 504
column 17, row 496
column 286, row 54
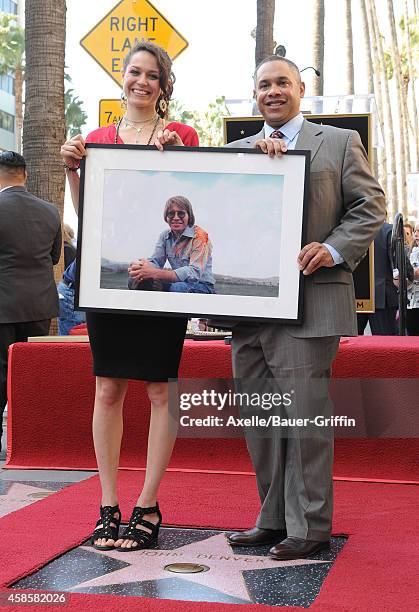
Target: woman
column 67, row 316
column 69, row 248
column 185, row 246
column 412, row 319
column 117, row 353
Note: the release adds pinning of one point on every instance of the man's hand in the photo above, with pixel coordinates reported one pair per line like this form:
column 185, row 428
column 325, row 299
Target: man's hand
column 142, row 269
column 274, row 147
column 314, row 256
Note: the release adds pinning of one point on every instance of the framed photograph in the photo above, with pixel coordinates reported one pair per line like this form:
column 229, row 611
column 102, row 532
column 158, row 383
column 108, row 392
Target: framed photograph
column 213, row 232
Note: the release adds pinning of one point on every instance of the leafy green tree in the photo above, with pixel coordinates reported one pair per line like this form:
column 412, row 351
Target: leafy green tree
column 12, row 61
column 75, row 117
column 208, row 123
column 178, row 113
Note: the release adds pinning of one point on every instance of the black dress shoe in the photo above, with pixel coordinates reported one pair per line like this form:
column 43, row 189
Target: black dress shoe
column 256, row 537
column 297, row 548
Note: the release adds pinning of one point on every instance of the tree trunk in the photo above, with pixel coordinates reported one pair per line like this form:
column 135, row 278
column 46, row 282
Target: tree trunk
column 349, row 50
column 19, row 107
column 370, row 82
column 264, row 29
column 44, row 127
column 381, row 152
column 412, row 81
column 401, row 102
column 318, row 47
column 367, row 47
column 387, row 112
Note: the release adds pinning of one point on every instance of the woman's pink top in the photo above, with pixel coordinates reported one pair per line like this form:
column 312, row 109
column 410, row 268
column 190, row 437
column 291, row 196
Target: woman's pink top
column 106, row 135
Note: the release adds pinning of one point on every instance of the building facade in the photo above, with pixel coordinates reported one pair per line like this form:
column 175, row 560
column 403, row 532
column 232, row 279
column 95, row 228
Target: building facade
column 7, row 88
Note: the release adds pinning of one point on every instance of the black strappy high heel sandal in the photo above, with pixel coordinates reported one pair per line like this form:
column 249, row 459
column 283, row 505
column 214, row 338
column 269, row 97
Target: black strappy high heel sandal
column 107, row 530
column 144, row 539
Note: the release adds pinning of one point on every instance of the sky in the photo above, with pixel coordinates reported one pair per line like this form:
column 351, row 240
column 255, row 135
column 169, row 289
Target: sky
column 220, row 57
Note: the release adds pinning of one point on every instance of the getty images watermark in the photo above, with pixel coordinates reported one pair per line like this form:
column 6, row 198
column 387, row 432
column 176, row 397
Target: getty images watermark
column 211, row 399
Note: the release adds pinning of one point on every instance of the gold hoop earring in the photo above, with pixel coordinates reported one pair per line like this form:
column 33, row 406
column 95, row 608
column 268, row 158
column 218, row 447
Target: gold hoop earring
column 163, row 105
column 123, row 100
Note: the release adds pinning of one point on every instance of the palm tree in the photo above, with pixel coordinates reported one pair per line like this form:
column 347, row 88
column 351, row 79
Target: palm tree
column 264, row 29
column 12, row 61
column 75, row 117
column 401, row 101
column 318, row 47
column 370, row 79
column 44, row 128
column 349, row 52
column 384, row 93
column 411, row 60
column 367, row 47
column 350, row 83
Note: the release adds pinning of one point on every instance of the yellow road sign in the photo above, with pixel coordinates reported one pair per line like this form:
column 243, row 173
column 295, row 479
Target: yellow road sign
column 130, row 20
column 110, row 111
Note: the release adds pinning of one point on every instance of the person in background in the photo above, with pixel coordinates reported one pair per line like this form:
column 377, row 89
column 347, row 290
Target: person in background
column 408, row 235
column 383, row 320
column 69, row 246
column 412, row 317
column 129, row 346
column 30, row 246
column 68, row 317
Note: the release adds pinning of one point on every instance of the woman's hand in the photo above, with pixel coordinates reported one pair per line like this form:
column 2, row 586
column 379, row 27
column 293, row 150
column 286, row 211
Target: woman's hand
column 166, row 137
column 73, row 150
column 142, row 269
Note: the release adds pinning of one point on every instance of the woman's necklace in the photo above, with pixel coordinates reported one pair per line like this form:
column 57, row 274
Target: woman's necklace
column 129, row 123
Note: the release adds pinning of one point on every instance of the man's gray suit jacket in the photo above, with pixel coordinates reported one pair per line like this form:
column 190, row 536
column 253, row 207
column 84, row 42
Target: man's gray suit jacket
column 30, row 245
column 346, row 208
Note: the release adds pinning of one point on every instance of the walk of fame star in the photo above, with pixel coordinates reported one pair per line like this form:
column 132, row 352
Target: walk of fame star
column 16, row 496
column 225, row 573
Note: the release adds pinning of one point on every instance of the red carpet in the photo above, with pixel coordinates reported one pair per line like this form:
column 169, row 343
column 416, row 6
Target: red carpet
column 51, row 385
column 377, row 569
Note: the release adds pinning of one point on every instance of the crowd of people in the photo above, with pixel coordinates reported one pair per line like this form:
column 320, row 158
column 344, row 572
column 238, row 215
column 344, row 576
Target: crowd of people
column 384, row 320
column 346, row 210
column 412, row 248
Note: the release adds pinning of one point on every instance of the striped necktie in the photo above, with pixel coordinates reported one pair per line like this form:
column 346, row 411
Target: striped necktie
column 277, row 134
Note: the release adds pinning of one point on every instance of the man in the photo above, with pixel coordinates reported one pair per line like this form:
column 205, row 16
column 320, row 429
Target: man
column 30, row 245
column 383, row 320
column 345, row 210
